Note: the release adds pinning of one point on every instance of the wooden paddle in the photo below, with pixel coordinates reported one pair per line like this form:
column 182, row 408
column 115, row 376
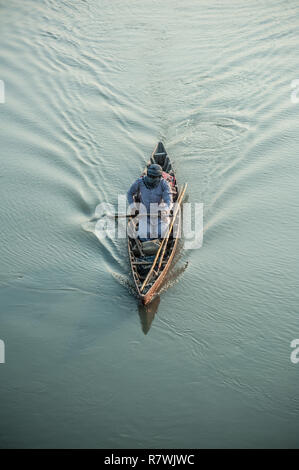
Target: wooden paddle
column 169, row 231
column 125, row 216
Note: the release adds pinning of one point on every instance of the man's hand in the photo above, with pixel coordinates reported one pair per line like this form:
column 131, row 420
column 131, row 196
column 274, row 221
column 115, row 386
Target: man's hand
column 134, row 211
column 164, row 214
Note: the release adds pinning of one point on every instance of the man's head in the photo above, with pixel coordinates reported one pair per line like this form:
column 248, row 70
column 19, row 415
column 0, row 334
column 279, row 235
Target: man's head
column 154, row 175
column 154, row 171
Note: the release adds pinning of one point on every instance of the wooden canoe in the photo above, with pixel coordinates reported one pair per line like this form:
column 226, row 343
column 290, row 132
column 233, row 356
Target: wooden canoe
column 148, row 291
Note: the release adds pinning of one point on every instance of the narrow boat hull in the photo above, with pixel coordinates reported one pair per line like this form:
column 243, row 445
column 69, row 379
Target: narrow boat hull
column 147, row 294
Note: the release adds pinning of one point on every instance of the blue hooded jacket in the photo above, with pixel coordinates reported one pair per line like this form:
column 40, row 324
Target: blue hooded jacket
column 149, row 196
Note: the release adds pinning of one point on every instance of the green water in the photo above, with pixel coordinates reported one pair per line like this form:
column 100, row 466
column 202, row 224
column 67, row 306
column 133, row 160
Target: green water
column 90, row 87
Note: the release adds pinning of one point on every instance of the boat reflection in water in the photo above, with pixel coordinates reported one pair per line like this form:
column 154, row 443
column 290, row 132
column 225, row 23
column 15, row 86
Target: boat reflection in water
column 147, row 313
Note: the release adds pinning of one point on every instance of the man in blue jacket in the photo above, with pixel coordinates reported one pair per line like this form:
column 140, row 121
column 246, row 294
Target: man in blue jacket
column 154, row 190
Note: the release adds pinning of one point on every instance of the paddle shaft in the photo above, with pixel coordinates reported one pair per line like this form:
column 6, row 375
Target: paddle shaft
column 127, row 216
column 171, row 225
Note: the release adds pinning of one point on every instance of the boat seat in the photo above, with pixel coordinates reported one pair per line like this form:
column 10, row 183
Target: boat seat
column 164, row 162
column 160, row 159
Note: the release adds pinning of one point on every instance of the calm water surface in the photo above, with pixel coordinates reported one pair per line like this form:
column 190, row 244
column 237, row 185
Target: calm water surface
column 91, row 86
